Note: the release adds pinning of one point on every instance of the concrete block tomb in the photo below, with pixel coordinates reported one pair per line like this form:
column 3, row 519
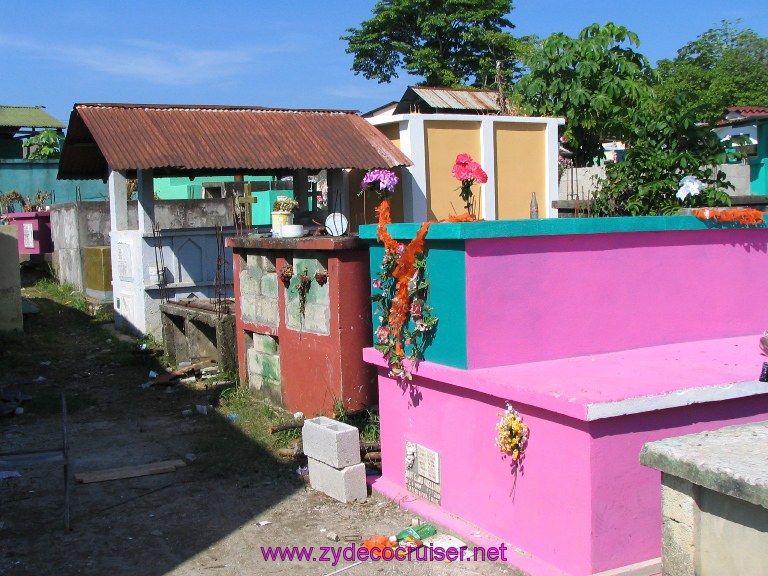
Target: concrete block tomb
column 11, row 317
column 303, row 320
column 196, row 331
column 603, row 334
column 714, row 500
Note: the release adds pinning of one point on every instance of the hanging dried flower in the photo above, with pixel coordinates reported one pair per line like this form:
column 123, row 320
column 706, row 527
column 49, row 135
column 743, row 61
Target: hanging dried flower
column 321, row 277
column 405, row 321
column 305, row 283
column 286, row 273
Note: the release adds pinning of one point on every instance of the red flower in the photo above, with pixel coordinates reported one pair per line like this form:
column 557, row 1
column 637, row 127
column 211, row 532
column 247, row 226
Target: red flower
column 417, row 309
column 467, row 169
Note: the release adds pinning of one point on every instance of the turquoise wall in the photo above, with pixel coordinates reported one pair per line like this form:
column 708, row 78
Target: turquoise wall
column 29, row 176
column 185, row 189
column 447, row 299
column 758, row 166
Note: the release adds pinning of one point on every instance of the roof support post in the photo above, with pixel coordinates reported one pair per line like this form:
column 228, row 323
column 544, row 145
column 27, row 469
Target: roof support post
column 146, row 197
column 118, row 200
column 300, row 188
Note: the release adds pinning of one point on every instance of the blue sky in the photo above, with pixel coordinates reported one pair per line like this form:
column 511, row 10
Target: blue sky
column 282, row 54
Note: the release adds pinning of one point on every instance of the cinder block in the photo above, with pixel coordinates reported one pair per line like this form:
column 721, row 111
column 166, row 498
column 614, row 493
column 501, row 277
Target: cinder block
column 331, row 442
column 345, row 485
column 265, row 343
column 266, row 311
column 262, row 368
column 268, row 285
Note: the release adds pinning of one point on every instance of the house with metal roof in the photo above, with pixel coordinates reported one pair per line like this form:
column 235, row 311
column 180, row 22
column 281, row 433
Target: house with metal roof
column 20, row 122
column 152, row 262
column 429, row 100
column 17, row 123
column 747, row 128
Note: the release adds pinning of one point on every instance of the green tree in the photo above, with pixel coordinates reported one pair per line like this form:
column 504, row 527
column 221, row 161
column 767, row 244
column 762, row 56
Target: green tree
column 595, row 81
column 666, row 145
column 47, row 144
column 722, row 67
column 445, row 42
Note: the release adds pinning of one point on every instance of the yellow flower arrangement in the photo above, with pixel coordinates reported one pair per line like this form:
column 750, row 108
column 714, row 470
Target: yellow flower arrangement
column 512, row 434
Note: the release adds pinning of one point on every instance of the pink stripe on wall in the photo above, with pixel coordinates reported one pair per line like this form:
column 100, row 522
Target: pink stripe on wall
column 583, row 294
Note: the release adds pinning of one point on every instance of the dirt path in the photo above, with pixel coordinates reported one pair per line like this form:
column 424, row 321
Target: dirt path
column 204, row 519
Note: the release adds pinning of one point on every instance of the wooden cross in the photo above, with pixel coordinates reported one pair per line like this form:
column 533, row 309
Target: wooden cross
column 246, row 202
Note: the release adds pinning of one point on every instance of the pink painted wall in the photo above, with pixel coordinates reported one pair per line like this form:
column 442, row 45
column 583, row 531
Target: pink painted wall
column 539, row 513
column 544, row 297
column 581, row 505
column 626, row 496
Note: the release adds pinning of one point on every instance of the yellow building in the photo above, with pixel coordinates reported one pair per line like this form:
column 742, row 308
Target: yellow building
column 519, row 155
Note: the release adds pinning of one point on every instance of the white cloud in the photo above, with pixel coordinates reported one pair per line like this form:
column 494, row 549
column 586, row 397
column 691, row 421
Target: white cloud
column 154, row 62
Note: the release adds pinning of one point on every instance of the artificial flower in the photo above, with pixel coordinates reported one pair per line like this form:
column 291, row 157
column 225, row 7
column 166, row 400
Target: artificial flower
column 468, row 172
column 689, row 186
column 382, row 182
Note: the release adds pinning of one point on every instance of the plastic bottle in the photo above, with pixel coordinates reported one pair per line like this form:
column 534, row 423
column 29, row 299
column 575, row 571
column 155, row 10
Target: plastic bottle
column 419, row 532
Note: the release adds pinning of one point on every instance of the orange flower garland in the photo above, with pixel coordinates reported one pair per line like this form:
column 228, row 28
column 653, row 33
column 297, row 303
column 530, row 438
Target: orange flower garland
column 401, row 278
column 743, row 216
column 404, row 272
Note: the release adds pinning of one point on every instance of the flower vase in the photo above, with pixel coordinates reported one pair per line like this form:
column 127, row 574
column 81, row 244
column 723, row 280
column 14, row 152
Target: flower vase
column 280, row 218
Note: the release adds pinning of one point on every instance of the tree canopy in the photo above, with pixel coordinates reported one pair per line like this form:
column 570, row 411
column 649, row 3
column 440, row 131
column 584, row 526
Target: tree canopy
column 46, row 144
column 595, row 81
column 722, row 67
column 446, row 42
column 666, row 144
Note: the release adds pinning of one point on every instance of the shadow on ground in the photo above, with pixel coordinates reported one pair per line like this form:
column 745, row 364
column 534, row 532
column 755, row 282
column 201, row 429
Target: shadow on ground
column 147, row 525
column 210, row 517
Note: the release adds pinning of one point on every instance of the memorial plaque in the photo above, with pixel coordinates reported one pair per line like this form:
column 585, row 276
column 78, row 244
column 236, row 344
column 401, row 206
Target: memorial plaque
column 29, row 235
column 124, row 267
column 422, row 472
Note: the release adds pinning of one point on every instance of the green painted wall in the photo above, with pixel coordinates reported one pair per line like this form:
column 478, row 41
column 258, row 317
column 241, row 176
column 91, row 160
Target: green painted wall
column 185, row 189
column 29, row 176
column 758, row 167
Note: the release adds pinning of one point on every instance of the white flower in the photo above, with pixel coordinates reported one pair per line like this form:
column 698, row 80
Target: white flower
column 413, row 281
column 689, row 186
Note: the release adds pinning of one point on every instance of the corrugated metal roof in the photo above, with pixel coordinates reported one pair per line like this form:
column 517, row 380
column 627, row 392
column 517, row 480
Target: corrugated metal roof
column 739, row 116
column 440, row 99
column 173, row 139
column 747, row 111
column 27, row 117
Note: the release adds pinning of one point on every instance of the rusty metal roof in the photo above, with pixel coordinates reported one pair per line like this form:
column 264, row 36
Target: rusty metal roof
column 185, row 139
column 426, row 99
column 748, row 111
